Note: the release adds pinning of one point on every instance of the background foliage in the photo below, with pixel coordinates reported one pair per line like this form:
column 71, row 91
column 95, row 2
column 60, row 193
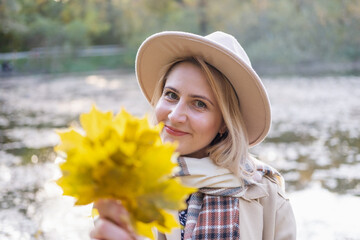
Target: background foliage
column 275, row 33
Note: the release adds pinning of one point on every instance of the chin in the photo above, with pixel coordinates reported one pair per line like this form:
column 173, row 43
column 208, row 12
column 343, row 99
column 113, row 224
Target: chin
column 182, row 151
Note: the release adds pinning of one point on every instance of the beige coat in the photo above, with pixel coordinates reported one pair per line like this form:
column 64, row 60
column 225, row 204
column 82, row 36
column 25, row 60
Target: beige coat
column 265, row 213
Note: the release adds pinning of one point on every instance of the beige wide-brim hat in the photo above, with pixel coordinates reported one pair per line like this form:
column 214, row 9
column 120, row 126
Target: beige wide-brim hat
column 220, row 50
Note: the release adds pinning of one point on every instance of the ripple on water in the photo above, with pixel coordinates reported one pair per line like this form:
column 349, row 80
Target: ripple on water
column 33, row 137
column 14, row 225
column 314, row 142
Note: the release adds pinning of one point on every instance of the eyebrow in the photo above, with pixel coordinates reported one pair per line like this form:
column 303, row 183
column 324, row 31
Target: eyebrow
column 193, row 95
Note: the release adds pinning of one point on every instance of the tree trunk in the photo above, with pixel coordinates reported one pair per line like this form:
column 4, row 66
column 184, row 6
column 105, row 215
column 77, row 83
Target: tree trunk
column 203, row 21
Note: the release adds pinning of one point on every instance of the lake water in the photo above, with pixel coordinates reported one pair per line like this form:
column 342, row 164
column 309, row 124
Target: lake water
column 314, row 142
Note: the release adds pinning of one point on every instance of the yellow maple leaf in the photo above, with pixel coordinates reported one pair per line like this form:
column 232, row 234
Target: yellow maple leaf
column 122, row 157
column 95, row 123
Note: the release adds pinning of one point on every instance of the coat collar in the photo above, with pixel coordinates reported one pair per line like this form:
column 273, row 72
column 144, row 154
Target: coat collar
column 255, row 191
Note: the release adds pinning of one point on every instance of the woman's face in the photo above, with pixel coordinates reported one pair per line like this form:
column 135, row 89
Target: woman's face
column 189, row 110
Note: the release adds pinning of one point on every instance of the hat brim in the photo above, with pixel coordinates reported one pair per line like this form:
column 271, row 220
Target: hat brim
column 162, row 48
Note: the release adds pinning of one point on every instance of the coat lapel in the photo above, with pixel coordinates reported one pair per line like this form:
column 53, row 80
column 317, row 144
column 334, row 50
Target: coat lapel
column 251, row 220
column 251, row 213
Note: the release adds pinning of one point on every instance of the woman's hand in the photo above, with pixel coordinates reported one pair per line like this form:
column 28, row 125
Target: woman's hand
column 113, row 222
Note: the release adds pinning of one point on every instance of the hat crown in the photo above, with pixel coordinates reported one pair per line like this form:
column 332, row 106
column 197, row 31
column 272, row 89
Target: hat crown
column 220, row 50
column 229, row 42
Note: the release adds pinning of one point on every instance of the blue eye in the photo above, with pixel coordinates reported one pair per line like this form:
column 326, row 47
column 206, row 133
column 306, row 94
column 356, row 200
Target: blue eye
column 200, row 104
column 171, row 95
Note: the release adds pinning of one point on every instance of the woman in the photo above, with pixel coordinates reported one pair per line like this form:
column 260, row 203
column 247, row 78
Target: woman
column 214, row 105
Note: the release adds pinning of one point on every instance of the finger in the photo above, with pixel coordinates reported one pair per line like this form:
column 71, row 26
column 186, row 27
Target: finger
column 111, row 209
column 114, row 211
column 105, row 229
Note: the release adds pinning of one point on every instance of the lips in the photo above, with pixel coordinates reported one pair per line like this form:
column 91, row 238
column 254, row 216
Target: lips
column 174, row 132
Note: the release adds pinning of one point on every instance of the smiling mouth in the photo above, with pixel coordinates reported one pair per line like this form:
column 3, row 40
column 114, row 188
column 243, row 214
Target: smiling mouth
column 174, row 132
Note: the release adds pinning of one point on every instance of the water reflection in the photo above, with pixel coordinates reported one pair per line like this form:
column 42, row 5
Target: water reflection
column 314, row 141
column 315, row 135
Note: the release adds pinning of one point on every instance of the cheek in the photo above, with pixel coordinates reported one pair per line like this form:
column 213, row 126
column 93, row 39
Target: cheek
column 160, row 111
column 207, row 125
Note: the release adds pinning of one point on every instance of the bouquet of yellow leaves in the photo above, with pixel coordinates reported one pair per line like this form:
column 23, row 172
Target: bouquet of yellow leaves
column 122, row 157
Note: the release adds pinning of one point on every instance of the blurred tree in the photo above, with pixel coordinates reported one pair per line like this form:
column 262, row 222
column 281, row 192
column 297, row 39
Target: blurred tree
column 287, row 32
column 203, row 21
column 281, row 32
column 92, row 13
column 11, row 26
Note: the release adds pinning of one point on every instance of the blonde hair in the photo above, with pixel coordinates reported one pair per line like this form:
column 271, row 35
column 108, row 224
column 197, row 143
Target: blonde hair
column 231, row 149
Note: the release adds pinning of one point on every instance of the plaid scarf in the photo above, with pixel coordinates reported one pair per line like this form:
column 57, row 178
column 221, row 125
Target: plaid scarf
column 213, row 211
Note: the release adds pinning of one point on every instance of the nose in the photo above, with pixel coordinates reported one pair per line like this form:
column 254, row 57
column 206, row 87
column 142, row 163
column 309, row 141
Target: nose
column 178, row 113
